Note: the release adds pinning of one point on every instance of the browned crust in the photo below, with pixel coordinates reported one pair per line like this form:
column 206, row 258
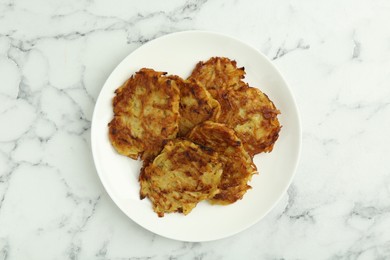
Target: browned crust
column 146, row 114
column 253, row 116
column 180, row 177
column 218, row 73
column 238, row 167
column 245, row 109
column 196, row 105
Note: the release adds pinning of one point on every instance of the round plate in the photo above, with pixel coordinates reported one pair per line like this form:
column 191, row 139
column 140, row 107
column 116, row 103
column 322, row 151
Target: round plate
column 178, row 53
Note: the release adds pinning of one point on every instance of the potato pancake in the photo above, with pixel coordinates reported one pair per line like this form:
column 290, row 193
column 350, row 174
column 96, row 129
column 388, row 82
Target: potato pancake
column 218, row 73
column 196, row 105
column 245, row 109
column 146, row 114
column 238, row 167
column 253, row 116
column 180, row 177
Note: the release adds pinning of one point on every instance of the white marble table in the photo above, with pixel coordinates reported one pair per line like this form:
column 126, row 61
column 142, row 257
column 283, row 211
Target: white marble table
column 55, row 57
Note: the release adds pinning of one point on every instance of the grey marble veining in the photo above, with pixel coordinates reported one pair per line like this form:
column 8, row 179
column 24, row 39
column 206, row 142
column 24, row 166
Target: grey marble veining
column 55, row 57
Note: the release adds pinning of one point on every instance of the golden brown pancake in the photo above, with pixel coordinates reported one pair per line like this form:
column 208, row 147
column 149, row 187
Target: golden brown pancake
column 238, row 167
column 245, row 109
column 253, row 116
column 196, row 105
column 180, row 177
column 218, row 73
column 146, row 113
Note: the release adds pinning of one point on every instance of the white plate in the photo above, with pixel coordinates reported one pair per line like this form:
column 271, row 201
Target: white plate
column 178, row 53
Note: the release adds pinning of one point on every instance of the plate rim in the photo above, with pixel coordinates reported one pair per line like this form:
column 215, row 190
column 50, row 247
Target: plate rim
column 109, row 191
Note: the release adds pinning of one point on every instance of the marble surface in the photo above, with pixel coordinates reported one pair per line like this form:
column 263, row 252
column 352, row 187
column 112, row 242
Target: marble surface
column 55, row 57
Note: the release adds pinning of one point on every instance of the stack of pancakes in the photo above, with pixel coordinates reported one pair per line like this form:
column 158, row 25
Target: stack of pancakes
column 196, row 137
